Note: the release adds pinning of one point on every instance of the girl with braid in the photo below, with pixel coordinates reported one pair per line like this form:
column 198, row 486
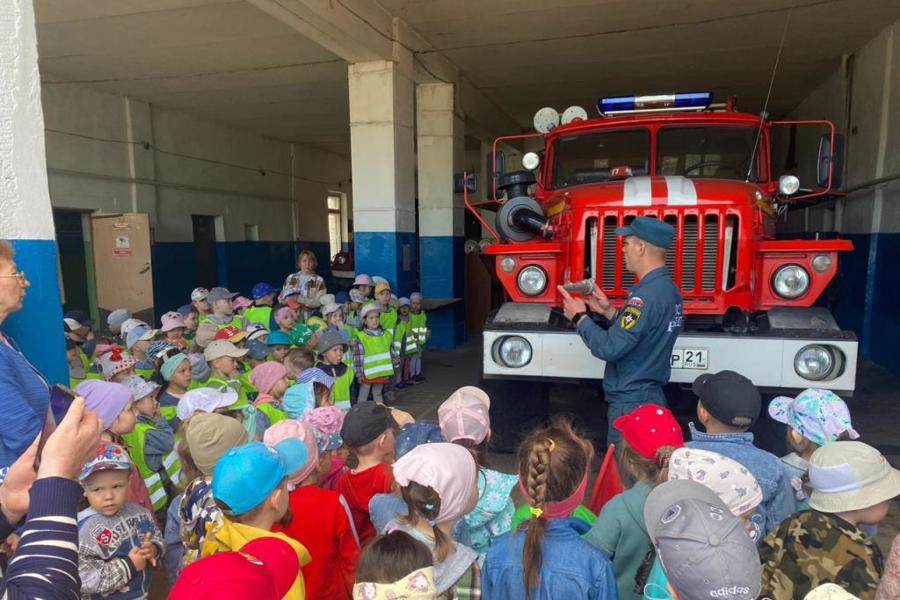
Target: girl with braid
column 546, row 557
column 438, row 483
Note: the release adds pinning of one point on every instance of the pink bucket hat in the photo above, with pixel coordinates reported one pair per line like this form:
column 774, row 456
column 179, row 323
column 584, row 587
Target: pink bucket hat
column 293, row 429
column 465, row 415
column 241, row 302
column 265, row 376
column 363, row 279
column 171, row 320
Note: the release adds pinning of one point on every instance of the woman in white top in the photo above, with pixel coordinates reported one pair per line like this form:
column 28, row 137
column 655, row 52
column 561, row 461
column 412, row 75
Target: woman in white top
column 304, row 287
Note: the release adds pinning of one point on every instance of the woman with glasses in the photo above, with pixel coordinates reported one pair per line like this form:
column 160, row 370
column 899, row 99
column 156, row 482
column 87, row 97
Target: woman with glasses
column 24, row 393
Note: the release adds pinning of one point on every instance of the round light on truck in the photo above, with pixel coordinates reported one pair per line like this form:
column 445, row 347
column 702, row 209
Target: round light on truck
column 532, row 281
column 821, row 263
column 815, row 362
column 508, row 264
column 790, row 281
column 788, row 185
column 531, row 161
column 514, row 352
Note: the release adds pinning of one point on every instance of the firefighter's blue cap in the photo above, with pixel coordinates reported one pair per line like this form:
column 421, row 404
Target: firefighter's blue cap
column 653, row 231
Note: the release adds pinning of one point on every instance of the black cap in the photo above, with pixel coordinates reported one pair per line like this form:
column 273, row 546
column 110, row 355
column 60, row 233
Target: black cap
column 80, row 316
column 729, row 397
column 364, row 422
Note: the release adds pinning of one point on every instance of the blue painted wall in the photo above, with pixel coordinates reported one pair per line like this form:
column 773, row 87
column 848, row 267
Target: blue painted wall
column 884, row 306
column 381, row 253
column 442, row 275
column 38, row 328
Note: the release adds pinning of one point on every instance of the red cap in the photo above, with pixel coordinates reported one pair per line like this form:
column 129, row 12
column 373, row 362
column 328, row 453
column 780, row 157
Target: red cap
column 231, row 334
column 649, row 428
column 264, row 569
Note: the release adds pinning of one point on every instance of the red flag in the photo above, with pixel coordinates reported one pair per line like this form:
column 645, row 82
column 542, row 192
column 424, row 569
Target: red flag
column 608, row 484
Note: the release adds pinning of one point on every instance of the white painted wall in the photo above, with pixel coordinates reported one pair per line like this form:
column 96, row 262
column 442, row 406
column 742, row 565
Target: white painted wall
column 98, row 160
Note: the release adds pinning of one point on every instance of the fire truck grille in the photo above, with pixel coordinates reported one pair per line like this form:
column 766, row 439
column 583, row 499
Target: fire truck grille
column 695, row 235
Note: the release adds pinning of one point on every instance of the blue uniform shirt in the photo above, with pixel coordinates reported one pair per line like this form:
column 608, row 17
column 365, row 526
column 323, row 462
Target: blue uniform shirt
column 637, row 347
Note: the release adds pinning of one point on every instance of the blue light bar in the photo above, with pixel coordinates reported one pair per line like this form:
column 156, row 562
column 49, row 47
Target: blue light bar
column 656, row 103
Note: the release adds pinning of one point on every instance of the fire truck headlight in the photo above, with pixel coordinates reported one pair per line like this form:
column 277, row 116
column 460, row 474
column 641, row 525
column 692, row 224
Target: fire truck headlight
column 815, row 362
column 790, row 281
column 788, row 185
column 531, row 161
column 821, row 263
column 513, row 352
column 532, row 281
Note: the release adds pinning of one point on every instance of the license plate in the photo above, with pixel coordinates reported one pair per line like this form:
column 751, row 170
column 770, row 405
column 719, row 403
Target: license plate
column 690, row 358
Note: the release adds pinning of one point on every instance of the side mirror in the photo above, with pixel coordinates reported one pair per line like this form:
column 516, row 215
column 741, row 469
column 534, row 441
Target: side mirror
column 828, row 160
column 465, row 182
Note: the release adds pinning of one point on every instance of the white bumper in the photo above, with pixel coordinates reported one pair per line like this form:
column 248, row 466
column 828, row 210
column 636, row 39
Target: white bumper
column 767, row 361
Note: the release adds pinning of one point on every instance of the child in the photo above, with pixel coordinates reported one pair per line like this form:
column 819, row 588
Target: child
column 199, row 300
column 206, row 437
column 728, row 406
column 206, row 333
column 465, row 420
column 152, row 447
column 264, row 569
column 263, row 299
column 138, row 342
column 249, row 486
column 326, row 527
column 298, row 360
column 419, row 323
column 221, row 356
column 374, row 355
column 395, row 565
column 326, row 423
column 438, row 484
column 852, row 485
column 191, row 319
column 735, row 486
column 334, row 315
column 175, row 377
column 405, row 343
column 361, row 289
column 77, row 372
column 547, row 557
column 814, row 418
column 388, row 315
column 702, row 547
column 221, row 312
column 270, row 379
column 173, row 327
column 116, row 318
column 257, row 353
column 118, row 541
column 240, row 306
column 116, row 365
column 231, row 334
column 279, row 344
column 368, row 431
column 649, row 436
column 332, row 348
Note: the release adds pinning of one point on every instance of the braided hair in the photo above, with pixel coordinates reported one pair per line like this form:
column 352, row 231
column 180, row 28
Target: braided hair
column 552, row 463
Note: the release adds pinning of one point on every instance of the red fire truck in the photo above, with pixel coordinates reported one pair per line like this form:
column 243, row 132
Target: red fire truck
column 749, row 298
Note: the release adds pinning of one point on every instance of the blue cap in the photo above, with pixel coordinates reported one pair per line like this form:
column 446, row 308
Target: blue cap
column 245, row 476
column 278, row 338
column 262, row 289
column 257, row 350
column 341, row 297
column 653, row 231
column 185, row 309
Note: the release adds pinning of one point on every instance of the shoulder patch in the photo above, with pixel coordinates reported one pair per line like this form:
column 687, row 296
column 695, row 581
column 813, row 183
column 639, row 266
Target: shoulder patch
column 635, row 301
column 630, row 316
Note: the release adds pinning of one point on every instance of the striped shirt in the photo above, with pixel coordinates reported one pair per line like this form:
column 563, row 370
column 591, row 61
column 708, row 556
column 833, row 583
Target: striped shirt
column 46, row 562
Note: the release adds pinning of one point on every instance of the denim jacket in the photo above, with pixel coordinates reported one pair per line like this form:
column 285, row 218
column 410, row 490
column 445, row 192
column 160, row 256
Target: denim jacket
column 570, row 567
column 778, row 498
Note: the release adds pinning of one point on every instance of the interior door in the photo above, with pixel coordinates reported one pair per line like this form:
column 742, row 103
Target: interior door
column 122, row 267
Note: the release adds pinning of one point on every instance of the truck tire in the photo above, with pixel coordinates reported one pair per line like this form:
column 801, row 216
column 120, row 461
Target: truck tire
column 517, row 407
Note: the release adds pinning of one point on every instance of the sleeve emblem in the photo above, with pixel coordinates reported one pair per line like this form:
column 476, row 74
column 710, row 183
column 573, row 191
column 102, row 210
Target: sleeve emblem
column 630, row 317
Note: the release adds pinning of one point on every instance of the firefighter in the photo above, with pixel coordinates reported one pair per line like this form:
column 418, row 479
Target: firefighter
column 637, row 346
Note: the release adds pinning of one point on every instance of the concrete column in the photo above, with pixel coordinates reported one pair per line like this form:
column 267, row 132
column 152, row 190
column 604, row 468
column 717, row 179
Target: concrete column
column 26, row 218
column 383, row 167
column 440, row 153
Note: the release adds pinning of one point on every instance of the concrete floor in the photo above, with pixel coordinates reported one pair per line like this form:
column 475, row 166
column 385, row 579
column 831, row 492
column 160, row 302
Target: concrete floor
column 875, row 407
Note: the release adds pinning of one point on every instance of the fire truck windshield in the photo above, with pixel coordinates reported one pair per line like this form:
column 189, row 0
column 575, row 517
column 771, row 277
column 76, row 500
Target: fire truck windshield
column 698, row 152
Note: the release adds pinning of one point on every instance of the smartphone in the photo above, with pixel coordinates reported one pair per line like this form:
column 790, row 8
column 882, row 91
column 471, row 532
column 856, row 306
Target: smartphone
column 61, row 398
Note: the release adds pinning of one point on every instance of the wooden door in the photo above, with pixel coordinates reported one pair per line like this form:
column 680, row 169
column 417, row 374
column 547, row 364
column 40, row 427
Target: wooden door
column 122, row 268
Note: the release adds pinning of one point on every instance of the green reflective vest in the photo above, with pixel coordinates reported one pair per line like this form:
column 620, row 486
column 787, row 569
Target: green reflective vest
column 145, row 373
column 419, row 324
column 223, row 385
column 404, row 340
column 376, row 355
column 341, row 389
column 388, row 319
column 274, row 413
column 154, row 480
column 259, row 314
column 237, row 322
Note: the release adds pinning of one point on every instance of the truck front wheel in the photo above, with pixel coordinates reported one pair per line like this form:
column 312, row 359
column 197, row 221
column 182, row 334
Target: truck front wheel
column 517, row 407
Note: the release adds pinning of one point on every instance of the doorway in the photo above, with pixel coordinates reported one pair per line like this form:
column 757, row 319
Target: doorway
column 205, row 255
column 75, row 262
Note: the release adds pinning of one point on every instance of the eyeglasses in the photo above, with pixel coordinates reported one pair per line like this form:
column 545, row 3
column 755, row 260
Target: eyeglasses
column 20, row 276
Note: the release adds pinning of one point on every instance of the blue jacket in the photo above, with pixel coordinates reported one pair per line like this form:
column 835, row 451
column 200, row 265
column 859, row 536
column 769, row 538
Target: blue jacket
column 637, row 347
column 24, row 401
column 778, row 498
column 570, row 567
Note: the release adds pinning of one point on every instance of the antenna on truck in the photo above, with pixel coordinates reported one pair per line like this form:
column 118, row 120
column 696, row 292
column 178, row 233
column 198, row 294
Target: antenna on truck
column 765, row 111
